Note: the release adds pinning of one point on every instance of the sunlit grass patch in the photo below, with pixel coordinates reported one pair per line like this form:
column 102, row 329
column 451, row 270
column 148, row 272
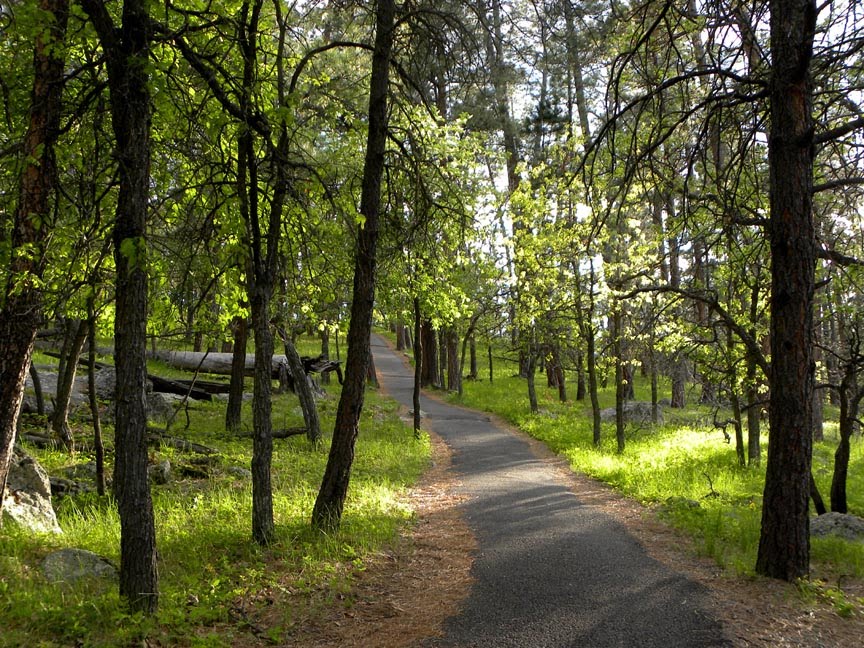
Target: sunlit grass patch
column 208, row 562
column 685, row 468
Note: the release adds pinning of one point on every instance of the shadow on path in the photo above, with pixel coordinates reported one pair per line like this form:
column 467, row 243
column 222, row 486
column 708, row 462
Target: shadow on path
column 550, row 571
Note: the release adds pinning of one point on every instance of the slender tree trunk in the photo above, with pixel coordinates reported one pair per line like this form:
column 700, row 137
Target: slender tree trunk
column 429, row 344
column 531, row 358
column 325, row 353
column 238, row 369
column 620, row 388
column 94, row 403
column 330, row 502
column 21, row 313
column 784, row 544
column 489, row 349
column 473, row 372
column 66, row 384
column 454, row 372
column 418, row 366
column 850, row 397
column 303, row 391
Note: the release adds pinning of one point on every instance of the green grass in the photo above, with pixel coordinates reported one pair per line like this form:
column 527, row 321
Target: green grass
column 207, row 560
column 684, row 468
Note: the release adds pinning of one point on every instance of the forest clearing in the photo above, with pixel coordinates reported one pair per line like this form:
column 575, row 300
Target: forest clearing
column 632, row 229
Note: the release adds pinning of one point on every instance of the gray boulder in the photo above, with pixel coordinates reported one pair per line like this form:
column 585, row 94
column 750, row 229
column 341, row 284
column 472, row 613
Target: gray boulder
column 159, row 473
column 634, row 412
column 849, row 527
column 27, row 498
column 70, row 565
column 240, row 473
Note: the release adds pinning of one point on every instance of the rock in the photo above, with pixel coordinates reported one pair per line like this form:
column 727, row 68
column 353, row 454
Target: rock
column 160, row 407
column 237, row 471
column 60, row 486
column 27, row 498
column 634, row 412
column 70, row 565
column 849, row 527
column 105, row 380
column 159, row 473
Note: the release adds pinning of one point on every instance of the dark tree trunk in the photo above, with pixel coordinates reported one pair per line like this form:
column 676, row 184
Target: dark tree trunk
column 620, row 387
column 441, row 378
column 816, row 496
column 850, row 398
column 784, row 544
column 304, row 392
column 263, row 526
column 127, row 54
column 473, row 371
column 22, row 304
column 325, row 354
column 580, row 376
column 37, row 389
column 98, row 445
column 330, row 502
column 489, row 350
column 77, row 333
column 238, row 368
column 429, row 344
column 127, row 51
column 531, row 359
column 371, row 373
column 418, row 366
column 400, row 336
column 454, row 372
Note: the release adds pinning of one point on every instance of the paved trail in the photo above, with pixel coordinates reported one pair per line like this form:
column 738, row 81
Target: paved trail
column 550, row 571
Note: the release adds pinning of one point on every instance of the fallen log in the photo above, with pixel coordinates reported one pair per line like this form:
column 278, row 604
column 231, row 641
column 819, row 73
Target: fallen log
column 282, row 433
column 166, row 386
column 220, row 363
column 157, row 437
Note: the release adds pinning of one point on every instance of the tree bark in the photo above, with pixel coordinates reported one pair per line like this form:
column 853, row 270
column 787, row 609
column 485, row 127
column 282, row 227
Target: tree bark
column 127, row 53
column 304, row 392
column 77, row 333
column 22, row 304
column 784, row 544
column 327, row 513
column 418, row 366
column 238, row 369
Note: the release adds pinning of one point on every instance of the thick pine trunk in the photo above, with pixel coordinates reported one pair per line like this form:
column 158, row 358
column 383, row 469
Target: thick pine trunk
column 327, row 513
column 784, row 544
column 429, row 344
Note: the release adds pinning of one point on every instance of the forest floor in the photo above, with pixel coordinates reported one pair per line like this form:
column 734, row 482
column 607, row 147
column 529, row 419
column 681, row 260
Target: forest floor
column 405, row 595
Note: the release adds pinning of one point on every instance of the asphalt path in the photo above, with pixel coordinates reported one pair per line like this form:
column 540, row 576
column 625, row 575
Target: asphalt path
column 549, row 570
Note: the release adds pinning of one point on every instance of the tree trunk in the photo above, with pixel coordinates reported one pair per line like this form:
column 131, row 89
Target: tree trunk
column 418, row 366
column 784, row 544
column 127, row 52
column 66, row 383
column 531, row 358
column 473, row 371
column 330, row 502
column 454, row 372
column 21, row 313
column 429, row 344
column 850, row 397
column 325, row 353
column 238, row 373
column 303, row 391
column 263, row 526
column 580, row 376
column 98, row 445
column 489, row 349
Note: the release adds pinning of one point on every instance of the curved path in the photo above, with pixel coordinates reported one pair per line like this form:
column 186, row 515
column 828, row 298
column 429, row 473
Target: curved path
column 549, row 571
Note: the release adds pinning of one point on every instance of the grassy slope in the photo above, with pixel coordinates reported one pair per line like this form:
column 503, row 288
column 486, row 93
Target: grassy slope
column 672, row 465
column 207, row 559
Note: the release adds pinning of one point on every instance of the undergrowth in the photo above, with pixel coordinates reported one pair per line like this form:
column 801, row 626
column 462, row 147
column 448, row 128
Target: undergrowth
column 209, row 566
